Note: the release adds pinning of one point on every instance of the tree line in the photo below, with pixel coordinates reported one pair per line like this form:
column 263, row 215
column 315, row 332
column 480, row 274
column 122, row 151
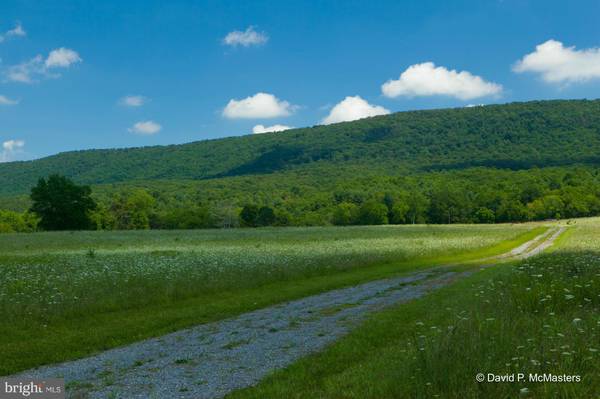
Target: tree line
column 57, row 203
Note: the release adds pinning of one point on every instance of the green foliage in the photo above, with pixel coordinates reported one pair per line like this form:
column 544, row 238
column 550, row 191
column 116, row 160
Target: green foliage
column 512, row 210
column 547, row 207
column 188, row 217
column 283, row 218
column 102, row 218
column 15, row 222
column 132, row 209
column 254, row 216
column 345, row 214
column 249, row 215
column 511, row 136
column 417, row 207
column 477, row 195
column 61, row 204
column 399, row 213
column 485, row 215
column 441, row 166
column 225, row 215
column 266, row 217
column 449, row 205
column 372, row 213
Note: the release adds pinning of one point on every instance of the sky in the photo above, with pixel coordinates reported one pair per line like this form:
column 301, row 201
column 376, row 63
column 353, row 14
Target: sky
column 108, row 74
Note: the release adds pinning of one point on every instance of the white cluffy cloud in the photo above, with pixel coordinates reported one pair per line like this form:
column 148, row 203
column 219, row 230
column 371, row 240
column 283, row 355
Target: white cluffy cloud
column 270, row 129
column 62, row 58
column 26, row 71
column 556, row 63
column 146, row 128
column 10, row 148
column 260, row 105
column 17, row 31
column 7, row 101
column 428, row 80
column 246, row 38
column 38, row 66
column 13, row 145
column 353, row 108
column 133, row 101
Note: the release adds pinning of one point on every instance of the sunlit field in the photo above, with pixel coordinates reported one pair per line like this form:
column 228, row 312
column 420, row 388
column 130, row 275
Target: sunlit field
column 63, row 295
column 61, row 274
column 540, row 316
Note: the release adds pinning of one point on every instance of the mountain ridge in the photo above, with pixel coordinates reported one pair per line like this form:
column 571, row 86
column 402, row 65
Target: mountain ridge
column 514, row 136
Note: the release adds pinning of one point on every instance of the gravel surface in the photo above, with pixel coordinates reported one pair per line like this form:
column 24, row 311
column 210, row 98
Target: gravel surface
column 211, row 360
column 531, row 247
column 552, row 235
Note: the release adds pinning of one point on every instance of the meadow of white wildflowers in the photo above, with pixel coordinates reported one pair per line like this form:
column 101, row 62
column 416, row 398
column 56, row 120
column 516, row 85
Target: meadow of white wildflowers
column 51, row 275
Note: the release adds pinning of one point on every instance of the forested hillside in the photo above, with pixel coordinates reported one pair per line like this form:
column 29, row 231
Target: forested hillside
column 508, row 162
column 516, row 136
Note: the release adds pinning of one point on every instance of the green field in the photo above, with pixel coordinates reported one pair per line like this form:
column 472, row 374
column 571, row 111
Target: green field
column 66, row 295
column 539, row 315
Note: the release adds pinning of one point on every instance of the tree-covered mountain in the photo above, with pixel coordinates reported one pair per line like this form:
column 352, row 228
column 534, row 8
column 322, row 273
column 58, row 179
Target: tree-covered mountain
column 513, row 136
column 511, row 162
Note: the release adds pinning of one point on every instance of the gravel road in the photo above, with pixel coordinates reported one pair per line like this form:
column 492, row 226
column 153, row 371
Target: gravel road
column 211, row 360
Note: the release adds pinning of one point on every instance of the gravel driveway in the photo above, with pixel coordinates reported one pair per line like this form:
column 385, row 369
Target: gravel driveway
column 210, row 360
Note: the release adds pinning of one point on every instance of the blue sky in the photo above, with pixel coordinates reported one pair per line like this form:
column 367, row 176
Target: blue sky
column 67, row 67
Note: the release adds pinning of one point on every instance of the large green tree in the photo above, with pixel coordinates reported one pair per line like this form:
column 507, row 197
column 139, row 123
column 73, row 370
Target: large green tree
column 132, row 209
column 266, row 216
column 372, row 212
column 345, row 214
column 249, row 215
column 61, row 204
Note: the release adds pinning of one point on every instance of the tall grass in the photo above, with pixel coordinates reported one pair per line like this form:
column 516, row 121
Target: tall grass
column 540, row 316
column 49, row 276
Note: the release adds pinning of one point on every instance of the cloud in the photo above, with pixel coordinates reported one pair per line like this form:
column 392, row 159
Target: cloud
column 133, row 101
column 268, row 129
column 13, row 145
column 428, row 80
column 353, row 108
column 62, row 58
column 11, row 148
column 146, row 128
column 558, row 64
column 247, row 38
column 26, row 72
column 17, row 31
column 40, row 67
column 7, row 101
column 260, row 105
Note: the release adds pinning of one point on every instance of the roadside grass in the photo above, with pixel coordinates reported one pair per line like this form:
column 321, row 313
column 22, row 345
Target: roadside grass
column 59, row 307
column 536, row 316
